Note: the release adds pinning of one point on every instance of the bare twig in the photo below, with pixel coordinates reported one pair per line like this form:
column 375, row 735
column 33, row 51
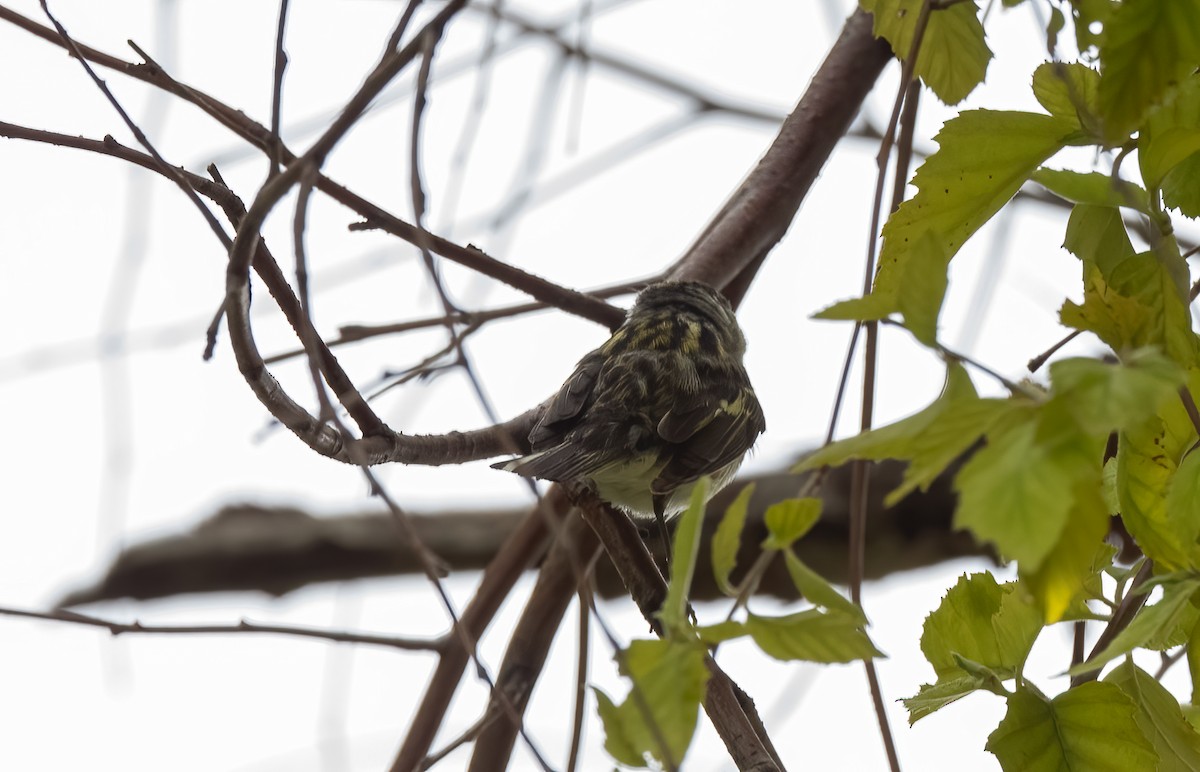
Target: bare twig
column 241, row 627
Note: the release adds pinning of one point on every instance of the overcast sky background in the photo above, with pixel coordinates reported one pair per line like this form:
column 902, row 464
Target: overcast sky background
column 119, row 432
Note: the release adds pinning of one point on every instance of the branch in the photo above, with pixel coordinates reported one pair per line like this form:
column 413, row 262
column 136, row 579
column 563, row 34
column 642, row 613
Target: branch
column 124, row 628
column 759, row 213
column 277, row 550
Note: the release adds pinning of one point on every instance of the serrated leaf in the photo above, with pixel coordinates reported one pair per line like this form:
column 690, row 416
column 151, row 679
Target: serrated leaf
column 1017, row 491
column 918, row 296
column 953, row 58
column 985, row 622
column 788, row 520
column 658, row 718
column 1156, row 620
column 813, row 636
column 728, row 539
column 1171, row 132
column 674, row 613
column 960, row 186
column 1069, row 91
column 1149, row 455
column 930, row 440
column 816, row 590
column 1130, row 300
column 1060, row 584
column 933, row 697
column 1160, row 719
column 1093, row 188
column 1105, row 397
column 1088, row 727
column 1146, row 47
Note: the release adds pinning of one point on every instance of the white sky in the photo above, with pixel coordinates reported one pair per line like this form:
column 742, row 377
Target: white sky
column 102, row 454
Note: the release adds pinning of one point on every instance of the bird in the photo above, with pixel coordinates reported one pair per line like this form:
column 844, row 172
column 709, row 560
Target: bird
column 665, row 401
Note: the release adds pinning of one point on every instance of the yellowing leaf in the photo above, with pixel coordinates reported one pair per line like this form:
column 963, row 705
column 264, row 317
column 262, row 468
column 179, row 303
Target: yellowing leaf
column 1149, row 453
column 1061, row 581
column 1130, row 300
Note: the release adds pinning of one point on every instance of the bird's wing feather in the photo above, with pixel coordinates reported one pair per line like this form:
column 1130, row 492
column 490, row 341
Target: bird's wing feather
column 567, row 406
column 710, row 440
column 561, row 463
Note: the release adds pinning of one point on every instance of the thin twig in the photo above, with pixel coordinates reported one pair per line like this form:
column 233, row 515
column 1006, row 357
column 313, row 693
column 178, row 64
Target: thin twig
column 243, row 626
column 1126, row 610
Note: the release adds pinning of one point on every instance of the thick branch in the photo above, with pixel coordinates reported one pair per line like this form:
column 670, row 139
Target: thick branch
column 278, row 549
column 759, row 213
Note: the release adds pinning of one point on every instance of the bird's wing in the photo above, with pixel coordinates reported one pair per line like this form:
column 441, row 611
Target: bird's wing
column 562, row 463
column 709, row 435
column 566, row 407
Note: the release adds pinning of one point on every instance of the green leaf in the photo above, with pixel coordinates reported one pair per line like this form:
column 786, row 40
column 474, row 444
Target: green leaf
column 1104, row 397
column 1093, row 188
column 1087, row 13
column 1061, row 583
column 1130, row 300
column 953, row 58
column 1160, row 719
column 721, row 632
column 1147, row 46
column 817, row 591
column 788, row 520
column 918, row 297
column 812, row 635
column 1070, row 91
column 617, row 741
column 1088, row 727
column 933, row 697
column 1158, row 620
column 961, row 186
column 1193, row 662
column 674, row 613
column 1181, row 187
column 1149, row 455
column 1171, row 132
column 924, row 288
column 1017, row 491
column 930, row 440
column 728, row 539
column 985, row 622
column 658, row 718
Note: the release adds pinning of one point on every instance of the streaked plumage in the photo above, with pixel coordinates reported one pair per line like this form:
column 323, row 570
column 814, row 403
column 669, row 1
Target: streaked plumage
column 662, row 403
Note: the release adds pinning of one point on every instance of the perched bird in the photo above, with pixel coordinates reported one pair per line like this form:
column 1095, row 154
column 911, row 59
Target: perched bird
column 664, row 402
